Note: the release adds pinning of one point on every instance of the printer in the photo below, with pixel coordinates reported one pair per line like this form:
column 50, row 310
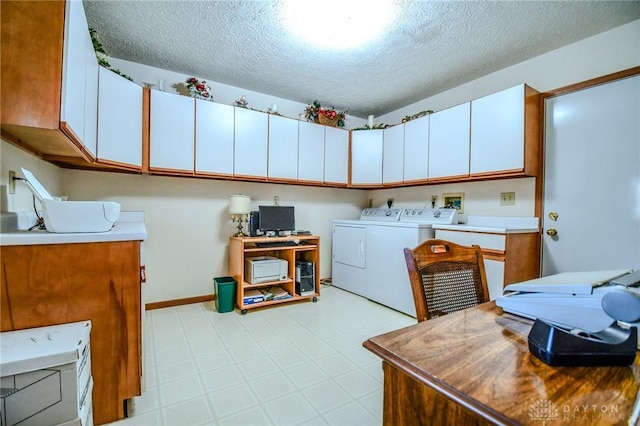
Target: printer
column 588, row 301
column 261, row 269
column 72, row 216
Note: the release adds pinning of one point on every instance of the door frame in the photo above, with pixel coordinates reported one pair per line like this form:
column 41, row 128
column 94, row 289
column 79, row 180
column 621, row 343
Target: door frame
column 539, row 186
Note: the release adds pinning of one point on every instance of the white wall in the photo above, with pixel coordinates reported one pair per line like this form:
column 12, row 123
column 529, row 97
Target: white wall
column 614, row 50
column 13, row 158
column 222, row 93
column 189, row 227
column 186, row 218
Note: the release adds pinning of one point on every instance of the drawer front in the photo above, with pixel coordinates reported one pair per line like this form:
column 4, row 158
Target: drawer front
column 485, row 241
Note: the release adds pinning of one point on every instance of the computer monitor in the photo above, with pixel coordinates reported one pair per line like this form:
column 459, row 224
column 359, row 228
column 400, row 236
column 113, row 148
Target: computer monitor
column 275, row 219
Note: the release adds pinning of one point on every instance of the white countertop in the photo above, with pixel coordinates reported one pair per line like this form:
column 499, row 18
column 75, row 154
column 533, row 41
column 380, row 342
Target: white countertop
column 495, row 225
column 129, row 227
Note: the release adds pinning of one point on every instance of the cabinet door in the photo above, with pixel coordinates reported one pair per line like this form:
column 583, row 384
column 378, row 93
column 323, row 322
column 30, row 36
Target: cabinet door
column 90, row 139
column 283, row 148
column 393, row 154
column 311, row 151
column 336, row 155
column 416, row 149
column 214, row 137
column 250, row 143
column 497, row 131
column 366, row 157
column 120, row 120
column 171, row 131
column 78, row 75
column 449, row 142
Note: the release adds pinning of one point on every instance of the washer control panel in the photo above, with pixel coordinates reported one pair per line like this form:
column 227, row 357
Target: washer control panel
column 440, row 215
column 388, row 215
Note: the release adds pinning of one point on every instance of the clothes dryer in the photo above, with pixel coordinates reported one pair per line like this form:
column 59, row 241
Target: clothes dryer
column 368, row 253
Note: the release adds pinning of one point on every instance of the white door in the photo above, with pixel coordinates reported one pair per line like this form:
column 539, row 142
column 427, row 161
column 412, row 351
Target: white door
column 250, row 143
column 171, row 131
column 366, row 157
column 449, row 141
column 416, row 149
column 283, row 148
column 310, row 152
column 120, row 119
column 592, row 179
column 214, row 137
column 336, row 155
column 393, row 154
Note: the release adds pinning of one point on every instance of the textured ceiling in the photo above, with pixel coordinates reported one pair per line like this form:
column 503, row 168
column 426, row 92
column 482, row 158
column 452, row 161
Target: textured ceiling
column 432, row 46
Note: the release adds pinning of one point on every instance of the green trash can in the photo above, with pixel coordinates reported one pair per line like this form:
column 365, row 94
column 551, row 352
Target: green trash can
column 225, row 290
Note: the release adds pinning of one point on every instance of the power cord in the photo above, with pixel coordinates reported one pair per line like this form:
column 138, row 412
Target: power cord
column 40, row 220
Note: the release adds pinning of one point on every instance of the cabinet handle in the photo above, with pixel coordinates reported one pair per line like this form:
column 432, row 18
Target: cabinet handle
column 552, row 232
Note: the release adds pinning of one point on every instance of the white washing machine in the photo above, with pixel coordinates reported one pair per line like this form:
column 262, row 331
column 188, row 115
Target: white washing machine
column 368, row 254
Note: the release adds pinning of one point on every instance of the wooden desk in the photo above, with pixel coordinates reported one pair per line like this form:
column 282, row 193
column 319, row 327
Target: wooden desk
column 474, row 367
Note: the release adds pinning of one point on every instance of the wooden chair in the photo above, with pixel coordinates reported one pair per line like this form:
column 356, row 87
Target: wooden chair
column 445, row 277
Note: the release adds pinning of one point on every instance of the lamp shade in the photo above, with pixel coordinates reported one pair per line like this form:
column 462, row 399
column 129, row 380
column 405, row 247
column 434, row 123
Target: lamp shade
column 239, row 204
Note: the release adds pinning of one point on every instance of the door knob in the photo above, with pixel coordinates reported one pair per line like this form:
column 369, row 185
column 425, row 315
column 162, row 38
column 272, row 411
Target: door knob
column 553, row 215
column 552, row 232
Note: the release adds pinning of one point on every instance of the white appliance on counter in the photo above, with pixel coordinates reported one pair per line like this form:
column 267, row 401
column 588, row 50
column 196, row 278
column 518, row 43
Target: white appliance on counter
column 368, row 254
column 72, row 216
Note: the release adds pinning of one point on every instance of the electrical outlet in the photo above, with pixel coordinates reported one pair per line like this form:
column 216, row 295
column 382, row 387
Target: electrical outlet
column 507, row 198
column 12, row 182
column 276, row 200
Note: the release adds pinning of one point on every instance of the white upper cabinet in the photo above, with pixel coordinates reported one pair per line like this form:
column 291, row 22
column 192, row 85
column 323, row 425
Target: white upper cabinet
column 449, row 142
column 311, row 142
column 366, row 157
column 336, row 156
column 171, row 131
column 283, row 148
column 250, row 146
column 119, row 120
column 497, row 131
column 393, row 154
column 79, row 106
column 416, row 149
column 214, row 138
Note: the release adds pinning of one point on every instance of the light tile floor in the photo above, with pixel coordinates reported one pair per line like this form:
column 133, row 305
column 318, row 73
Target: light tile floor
column 298, row 363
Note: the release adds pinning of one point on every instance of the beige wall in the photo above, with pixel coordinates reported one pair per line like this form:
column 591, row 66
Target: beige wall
column 186, row 218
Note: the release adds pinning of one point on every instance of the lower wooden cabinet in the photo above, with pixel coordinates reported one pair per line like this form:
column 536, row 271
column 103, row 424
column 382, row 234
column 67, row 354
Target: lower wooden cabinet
column 61, row 283
column 508, row 257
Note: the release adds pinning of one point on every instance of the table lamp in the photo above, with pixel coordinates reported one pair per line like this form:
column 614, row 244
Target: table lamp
column 239, row 208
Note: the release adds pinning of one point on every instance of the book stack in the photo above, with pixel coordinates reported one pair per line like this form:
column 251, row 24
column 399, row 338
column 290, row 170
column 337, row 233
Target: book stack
column 252, row 296
column 265, row 294
column 278, row 293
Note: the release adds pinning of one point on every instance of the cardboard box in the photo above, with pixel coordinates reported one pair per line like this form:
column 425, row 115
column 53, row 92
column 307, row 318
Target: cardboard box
column 46, row 375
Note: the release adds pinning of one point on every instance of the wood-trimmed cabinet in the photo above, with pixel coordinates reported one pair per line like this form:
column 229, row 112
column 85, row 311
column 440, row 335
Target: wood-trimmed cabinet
column 505, row 133
column 336, row 156
column 119, row 121
column 251, row 144
column 49, row 109
column 49, row 284
column 172, row 132
column 366, row 158
column 214, row 138
column 393, row 149
column 508, row 257
column 416, row 149
column 449, row 141
column 307, row 250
